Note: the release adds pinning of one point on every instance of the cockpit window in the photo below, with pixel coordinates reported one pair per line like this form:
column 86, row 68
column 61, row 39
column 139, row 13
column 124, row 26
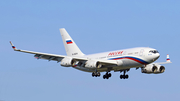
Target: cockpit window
column 153, row 51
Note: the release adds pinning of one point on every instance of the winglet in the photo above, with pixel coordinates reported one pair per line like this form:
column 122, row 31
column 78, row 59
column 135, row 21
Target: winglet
column 13, row 46
column 168, row 59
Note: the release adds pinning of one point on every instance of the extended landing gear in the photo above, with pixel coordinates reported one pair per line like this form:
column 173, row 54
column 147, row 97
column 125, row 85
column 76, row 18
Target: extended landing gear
column 96, row 74
column 124, row 76
column 107, row 75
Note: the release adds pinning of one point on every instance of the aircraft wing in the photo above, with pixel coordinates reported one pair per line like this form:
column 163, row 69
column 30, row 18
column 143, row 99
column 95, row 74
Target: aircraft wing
column 40, row 55
column 162, row 63
column 58, row 58
column 167, row 61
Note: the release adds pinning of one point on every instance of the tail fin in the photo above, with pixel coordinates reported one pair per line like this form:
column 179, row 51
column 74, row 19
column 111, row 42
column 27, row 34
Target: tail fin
column 70, row 46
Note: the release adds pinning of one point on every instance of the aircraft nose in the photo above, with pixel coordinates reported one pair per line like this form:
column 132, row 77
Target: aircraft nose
column 156, row 56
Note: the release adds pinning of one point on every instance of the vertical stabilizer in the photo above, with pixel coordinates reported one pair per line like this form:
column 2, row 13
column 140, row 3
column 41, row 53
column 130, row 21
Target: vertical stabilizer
column 70, row 46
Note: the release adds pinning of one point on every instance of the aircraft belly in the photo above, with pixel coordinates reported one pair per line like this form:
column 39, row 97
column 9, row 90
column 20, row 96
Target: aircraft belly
column 127, row 64
column 84, row 69
column 91, row 69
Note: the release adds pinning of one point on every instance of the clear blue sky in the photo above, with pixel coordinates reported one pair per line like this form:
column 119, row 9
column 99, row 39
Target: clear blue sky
column 96, row 26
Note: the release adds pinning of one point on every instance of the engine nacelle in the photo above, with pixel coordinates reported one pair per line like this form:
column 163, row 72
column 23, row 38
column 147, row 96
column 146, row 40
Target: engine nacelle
column 93, row 64
column 151, row 68
column 119, row 63
column 67, row 62
column 160, row 69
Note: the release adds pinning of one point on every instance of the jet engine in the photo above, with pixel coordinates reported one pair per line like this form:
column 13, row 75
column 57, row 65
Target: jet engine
column 160, row 69
column 68, row 62
column 93, row 64
column 151, row 68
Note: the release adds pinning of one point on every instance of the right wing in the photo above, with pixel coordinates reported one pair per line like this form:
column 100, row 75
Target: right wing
column 40, row 55
column 58, row 58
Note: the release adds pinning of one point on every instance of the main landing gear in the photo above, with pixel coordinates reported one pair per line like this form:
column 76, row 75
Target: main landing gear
column 96, row 74
column 124, row 76
column 107, row 75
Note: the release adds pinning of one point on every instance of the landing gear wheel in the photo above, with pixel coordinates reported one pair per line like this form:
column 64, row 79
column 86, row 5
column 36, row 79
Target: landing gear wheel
column 96, row 74
column 107, row 75
column 104, row 76
column 93, row 74
column 127, row 76
column 124, row 76
column 121, row 76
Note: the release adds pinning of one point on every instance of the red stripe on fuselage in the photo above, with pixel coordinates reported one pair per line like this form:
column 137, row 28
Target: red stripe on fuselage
column 130, row 59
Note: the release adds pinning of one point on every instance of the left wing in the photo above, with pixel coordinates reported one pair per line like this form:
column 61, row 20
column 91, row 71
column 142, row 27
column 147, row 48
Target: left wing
column 167, row 61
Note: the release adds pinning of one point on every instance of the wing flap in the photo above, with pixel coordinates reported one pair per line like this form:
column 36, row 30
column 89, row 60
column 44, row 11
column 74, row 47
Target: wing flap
column 48, row 57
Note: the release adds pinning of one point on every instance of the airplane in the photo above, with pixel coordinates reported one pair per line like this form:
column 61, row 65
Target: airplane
column 117, row 61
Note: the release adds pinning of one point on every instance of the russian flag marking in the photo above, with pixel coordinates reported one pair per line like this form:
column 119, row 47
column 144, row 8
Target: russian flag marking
column 69, row 42
column 13, row 47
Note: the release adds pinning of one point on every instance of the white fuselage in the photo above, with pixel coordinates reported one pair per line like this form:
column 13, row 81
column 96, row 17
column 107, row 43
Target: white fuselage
column 133, row 57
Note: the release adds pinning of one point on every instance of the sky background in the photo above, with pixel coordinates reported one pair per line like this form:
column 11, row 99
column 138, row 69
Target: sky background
column 96, row 26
